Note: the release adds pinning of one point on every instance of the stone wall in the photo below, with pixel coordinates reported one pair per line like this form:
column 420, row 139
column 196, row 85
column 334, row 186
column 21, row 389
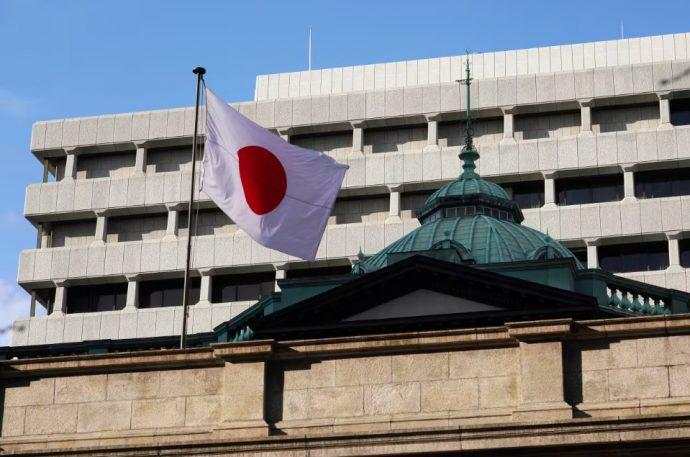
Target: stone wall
column 73, row 233
column 549, row 373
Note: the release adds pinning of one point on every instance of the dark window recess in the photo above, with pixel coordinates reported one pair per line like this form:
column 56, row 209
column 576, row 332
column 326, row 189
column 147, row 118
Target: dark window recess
column 46, row 297
column 680, row 111
column 241, row 287
column 671, row 182
column 623, row 258
column 589, row 189
column 528, row 194
column 322, row 272
column 684, row 246
column 580, row 254
column 101, row 297
column 167, row 292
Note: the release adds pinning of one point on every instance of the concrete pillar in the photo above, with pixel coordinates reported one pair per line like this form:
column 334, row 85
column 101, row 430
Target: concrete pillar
column 60, row 302
column 284, row 134
column 358, row 136
column 46, row 236
column 280, row 274
column 628, row 182
column 549, row 189
column 171, row 228
column 586, row 116
column 592, row 253
column 673, row 250
column 205, row 288
column 101, row 228
column 140, row 158
column 541, row 380
column 508, row 124
column 432, row 133
column 664, row 110
column 70, row 163
column 132, row 302
column 394, row 203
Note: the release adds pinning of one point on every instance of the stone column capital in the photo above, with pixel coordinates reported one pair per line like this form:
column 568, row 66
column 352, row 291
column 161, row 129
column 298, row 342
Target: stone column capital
column 550, row 174
column 592, row 241
column 141, row 144
column 674, row 235
column 174, row 206
column 206, row 271
column 586, row 102
column 103, row 212
column 132, row 277
column 397, row 187
column 432, row 117
column 509, row 109
column 285, row 130
column 62, row 282
column 70, row 150
column 629, row 167
column 358, row 124
column 665, row 95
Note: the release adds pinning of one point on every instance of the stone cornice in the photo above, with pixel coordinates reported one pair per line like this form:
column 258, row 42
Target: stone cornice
column 508, row 335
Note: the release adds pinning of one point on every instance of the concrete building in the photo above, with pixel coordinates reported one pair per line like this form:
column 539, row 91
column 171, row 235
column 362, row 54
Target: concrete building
column 590, row 139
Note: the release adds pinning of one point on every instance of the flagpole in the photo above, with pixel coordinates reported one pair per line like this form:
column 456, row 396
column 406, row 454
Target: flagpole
column 199, row 72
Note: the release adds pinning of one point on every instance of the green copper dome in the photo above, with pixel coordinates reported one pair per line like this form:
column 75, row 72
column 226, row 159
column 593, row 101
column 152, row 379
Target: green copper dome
column 471, row 220
column 469, row 186
column 478, row 239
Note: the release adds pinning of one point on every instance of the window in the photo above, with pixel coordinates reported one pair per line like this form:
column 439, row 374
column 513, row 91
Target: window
column 623, row 258
column 321, row 272
column 589, row 189
column 167, row 292
column 684, row 247
column 680, row 111
column 95, row 298
column 241, row 287
column 527, row 194
column 671, row 182
column 580, row 254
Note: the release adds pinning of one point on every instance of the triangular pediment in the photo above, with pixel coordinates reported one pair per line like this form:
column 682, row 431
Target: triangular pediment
column 416, row 293
column 422, row 302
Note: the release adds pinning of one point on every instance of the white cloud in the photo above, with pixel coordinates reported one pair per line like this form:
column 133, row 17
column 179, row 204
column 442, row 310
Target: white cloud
column 13, row 105
column 14, row 304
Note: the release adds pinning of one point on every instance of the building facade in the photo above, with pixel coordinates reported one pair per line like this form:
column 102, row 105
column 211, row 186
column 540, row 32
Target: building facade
column 591, row 140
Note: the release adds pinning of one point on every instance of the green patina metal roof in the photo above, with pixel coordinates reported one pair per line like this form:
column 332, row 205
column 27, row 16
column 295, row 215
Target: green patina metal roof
column 482, row 239
column 467, row 186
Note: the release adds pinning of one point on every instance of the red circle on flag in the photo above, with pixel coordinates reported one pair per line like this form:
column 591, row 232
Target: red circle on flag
column 263, row 178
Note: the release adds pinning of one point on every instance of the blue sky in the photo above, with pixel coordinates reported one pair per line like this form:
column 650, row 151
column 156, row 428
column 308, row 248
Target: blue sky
column 79, row 58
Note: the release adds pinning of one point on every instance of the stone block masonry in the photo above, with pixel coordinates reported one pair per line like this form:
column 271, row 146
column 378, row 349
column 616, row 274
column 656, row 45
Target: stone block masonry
column 539, row 375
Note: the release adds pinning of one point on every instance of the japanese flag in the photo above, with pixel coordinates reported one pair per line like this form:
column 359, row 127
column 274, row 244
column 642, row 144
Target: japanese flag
column 278, row 193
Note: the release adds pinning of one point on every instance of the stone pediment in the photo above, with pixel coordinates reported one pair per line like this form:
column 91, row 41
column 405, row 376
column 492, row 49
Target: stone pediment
column 418, row 292
column 422, row 302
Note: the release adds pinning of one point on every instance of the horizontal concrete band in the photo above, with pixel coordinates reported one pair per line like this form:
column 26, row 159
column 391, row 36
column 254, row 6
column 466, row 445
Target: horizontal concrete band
column 541, row 60
column 316, row 113
column 53, row 201
column 508, row 335
column 120, row 325
column 651, row 218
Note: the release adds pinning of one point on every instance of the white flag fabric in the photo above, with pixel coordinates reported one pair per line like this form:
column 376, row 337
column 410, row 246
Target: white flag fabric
column 279, row 193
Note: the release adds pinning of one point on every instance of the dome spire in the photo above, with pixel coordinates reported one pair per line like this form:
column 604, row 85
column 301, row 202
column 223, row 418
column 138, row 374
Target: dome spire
column 469, row 154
